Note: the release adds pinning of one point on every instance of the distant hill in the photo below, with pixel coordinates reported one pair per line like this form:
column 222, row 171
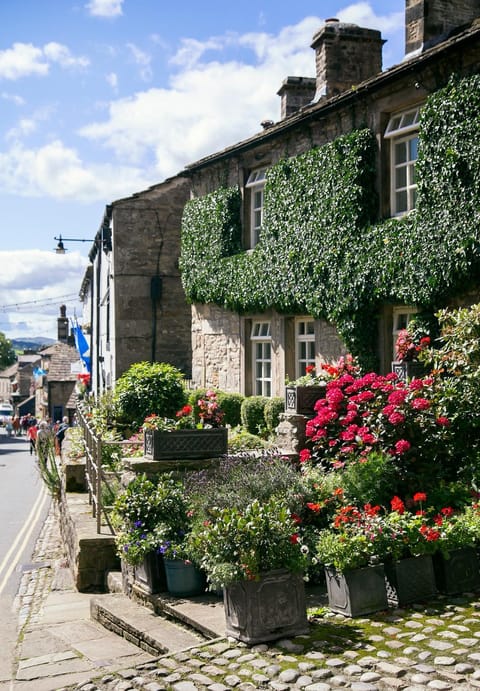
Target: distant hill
column 21, row 344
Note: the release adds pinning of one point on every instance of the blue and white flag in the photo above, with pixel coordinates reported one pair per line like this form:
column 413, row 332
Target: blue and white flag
column 82, row 346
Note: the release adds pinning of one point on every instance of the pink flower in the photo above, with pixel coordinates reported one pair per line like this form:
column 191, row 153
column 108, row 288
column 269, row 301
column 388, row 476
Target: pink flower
column 365, row 396
column 396, row 418
column 420, row 404
column 415, row 385
column 304, row 455
column 397, row 397
column 442, row 421
column 388, row 409
column 402, row 446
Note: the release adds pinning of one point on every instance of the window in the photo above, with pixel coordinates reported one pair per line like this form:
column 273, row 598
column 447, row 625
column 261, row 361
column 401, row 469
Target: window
column 262, row 358
column 256, row 184
column 402, row 130
column 401, row 318
column 304, row 345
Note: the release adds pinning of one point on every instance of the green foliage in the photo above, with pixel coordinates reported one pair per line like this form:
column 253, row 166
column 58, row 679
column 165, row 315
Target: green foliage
column 319, row 251
column 272, row 411
column 252, row 413
column 241, row 440
column 7, row 352
column 47, row 466
column 231, row 404
column 147, row 388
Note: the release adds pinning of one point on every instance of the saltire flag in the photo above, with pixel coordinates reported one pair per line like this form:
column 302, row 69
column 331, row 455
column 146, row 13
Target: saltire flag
column 82, row 346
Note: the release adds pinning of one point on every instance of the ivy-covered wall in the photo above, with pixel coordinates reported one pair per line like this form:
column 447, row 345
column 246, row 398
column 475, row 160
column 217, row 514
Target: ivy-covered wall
column 321, row 252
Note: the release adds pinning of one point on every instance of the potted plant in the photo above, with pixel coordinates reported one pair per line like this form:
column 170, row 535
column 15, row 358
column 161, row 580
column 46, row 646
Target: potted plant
column 414, row 539
column 183, row 437
column 256, row 555
column 456, row 563
column 144, row 516
column 352, row 551
column 408, row 346
column 302, row 394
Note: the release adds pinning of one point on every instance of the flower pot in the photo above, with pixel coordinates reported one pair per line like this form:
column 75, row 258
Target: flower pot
column 266, row 609
column 410, row 580
column 183, row 578
column 458, row 573
column 192, row 444
column 150, row 574
column 408, row 370
column 358, row 591
column 301, row 400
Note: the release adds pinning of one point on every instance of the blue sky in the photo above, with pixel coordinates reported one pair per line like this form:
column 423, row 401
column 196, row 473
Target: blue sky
column 100, row 99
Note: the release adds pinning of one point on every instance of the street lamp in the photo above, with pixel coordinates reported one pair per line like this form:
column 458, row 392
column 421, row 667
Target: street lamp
column 60, row 248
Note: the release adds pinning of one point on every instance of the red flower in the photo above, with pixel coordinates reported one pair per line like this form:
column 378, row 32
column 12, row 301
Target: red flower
column 447, row 511
column 402, row 446
column 397, row 505
column 310, row 369
column 420, row 404
column 294, row 538
column 430, row 534
column 314, row 506
column 396, row 418
column 420, row 496
column 304, row 455
column 442, row 421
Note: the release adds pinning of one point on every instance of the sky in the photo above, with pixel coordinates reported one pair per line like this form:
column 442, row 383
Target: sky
column 100, row 99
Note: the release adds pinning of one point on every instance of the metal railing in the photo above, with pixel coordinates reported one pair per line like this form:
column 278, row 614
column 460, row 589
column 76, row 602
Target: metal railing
column 96, row 474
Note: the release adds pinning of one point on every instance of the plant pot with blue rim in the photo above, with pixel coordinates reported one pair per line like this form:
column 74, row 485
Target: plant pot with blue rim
column 183, row 578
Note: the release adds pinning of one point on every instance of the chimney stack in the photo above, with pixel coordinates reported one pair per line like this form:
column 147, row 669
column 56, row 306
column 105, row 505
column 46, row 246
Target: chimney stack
column 62, row 325
column 295, row 93
column 345, row 55
column 428, row 22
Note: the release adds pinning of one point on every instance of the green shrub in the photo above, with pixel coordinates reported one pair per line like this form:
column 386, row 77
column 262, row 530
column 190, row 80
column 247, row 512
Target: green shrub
column 252, row 414
column 272, row 411
column 147, row 388
column 241, row 440
column 231, row 404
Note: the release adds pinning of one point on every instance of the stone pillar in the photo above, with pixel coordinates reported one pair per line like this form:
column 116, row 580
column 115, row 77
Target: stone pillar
column 291, row 438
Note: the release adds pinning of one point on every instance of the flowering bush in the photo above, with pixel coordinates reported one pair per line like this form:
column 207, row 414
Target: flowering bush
column 147, row 515
column 377, row 413
column 407, row 348
column 242, row 544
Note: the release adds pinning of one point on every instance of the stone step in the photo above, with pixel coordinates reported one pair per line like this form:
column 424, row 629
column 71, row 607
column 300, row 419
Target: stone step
column 136, row 623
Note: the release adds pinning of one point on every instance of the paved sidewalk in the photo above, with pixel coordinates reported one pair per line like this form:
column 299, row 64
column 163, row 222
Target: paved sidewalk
column 64, row 646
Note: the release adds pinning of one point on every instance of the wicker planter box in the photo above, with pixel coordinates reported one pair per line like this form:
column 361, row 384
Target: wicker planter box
column 410, row 580
column 265, row 610
column 357, row 592
column 191, row 444
column 300, row 400
column 459, row 573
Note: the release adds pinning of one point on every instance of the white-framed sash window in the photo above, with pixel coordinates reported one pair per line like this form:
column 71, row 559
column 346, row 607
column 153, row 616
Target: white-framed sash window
column 402, row 130
column 256, row 184
column 304, row 345
column 262, row 358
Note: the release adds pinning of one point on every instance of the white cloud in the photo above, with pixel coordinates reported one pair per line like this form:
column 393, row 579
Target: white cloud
column 33, row 285
column 57, row 171
column 142, row 59
column 56, row 52
column 22, row 60
column 24, row 127
column 13, row 98
column 105, row 8
column 112, row 80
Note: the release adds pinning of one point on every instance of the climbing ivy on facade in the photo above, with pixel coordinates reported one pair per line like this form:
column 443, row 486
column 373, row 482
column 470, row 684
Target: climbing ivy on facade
column 323, row 252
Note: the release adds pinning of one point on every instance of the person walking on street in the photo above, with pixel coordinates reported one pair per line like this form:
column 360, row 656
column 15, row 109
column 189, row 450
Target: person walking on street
column 60, row 435
column 32, row 437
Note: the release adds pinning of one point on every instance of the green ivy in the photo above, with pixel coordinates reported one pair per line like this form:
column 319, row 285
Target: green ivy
column 320, row 251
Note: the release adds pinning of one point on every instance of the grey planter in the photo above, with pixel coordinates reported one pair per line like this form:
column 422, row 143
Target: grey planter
column 356, row 592
column 190, row 444
column 301, row 400
column 184, row 579
column 150, row 574
column 408, row 370
column 410, row 580
column 265, row 610
column 459, row 573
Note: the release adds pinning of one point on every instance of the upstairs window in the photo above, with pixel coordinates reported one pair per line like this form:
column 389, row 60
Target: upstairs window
column 255, row 185
column 262, row 358
column 402, row 130
column 304, row 345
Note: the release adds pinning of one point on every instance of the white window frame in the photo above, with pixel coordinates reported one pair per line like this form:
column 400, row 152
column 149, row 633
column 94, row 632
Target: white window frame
column 261, row 358
column 402, row 131
column 304, row 345
column 256, row 185
column 402, row 315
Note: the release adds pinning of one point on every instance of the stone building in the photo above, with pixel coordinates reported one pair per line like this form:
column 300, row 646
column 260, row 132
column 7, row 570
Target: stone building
column 250, row 335
column 135, row 306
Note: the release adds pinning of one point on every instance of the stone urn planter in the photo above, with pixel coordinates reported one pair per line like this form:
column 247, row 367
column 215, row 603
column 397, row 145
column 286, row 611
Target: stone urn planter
column 459, row 573
column 190, row 444
column 183, row 578
column 265, row 610
column 300, row 400
column 150, row 574
column 356, row 592
column 410, row 580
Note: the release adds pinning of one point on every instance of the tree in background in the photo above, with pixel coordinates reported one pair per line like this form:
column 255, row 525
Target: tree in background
column 7, row 353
